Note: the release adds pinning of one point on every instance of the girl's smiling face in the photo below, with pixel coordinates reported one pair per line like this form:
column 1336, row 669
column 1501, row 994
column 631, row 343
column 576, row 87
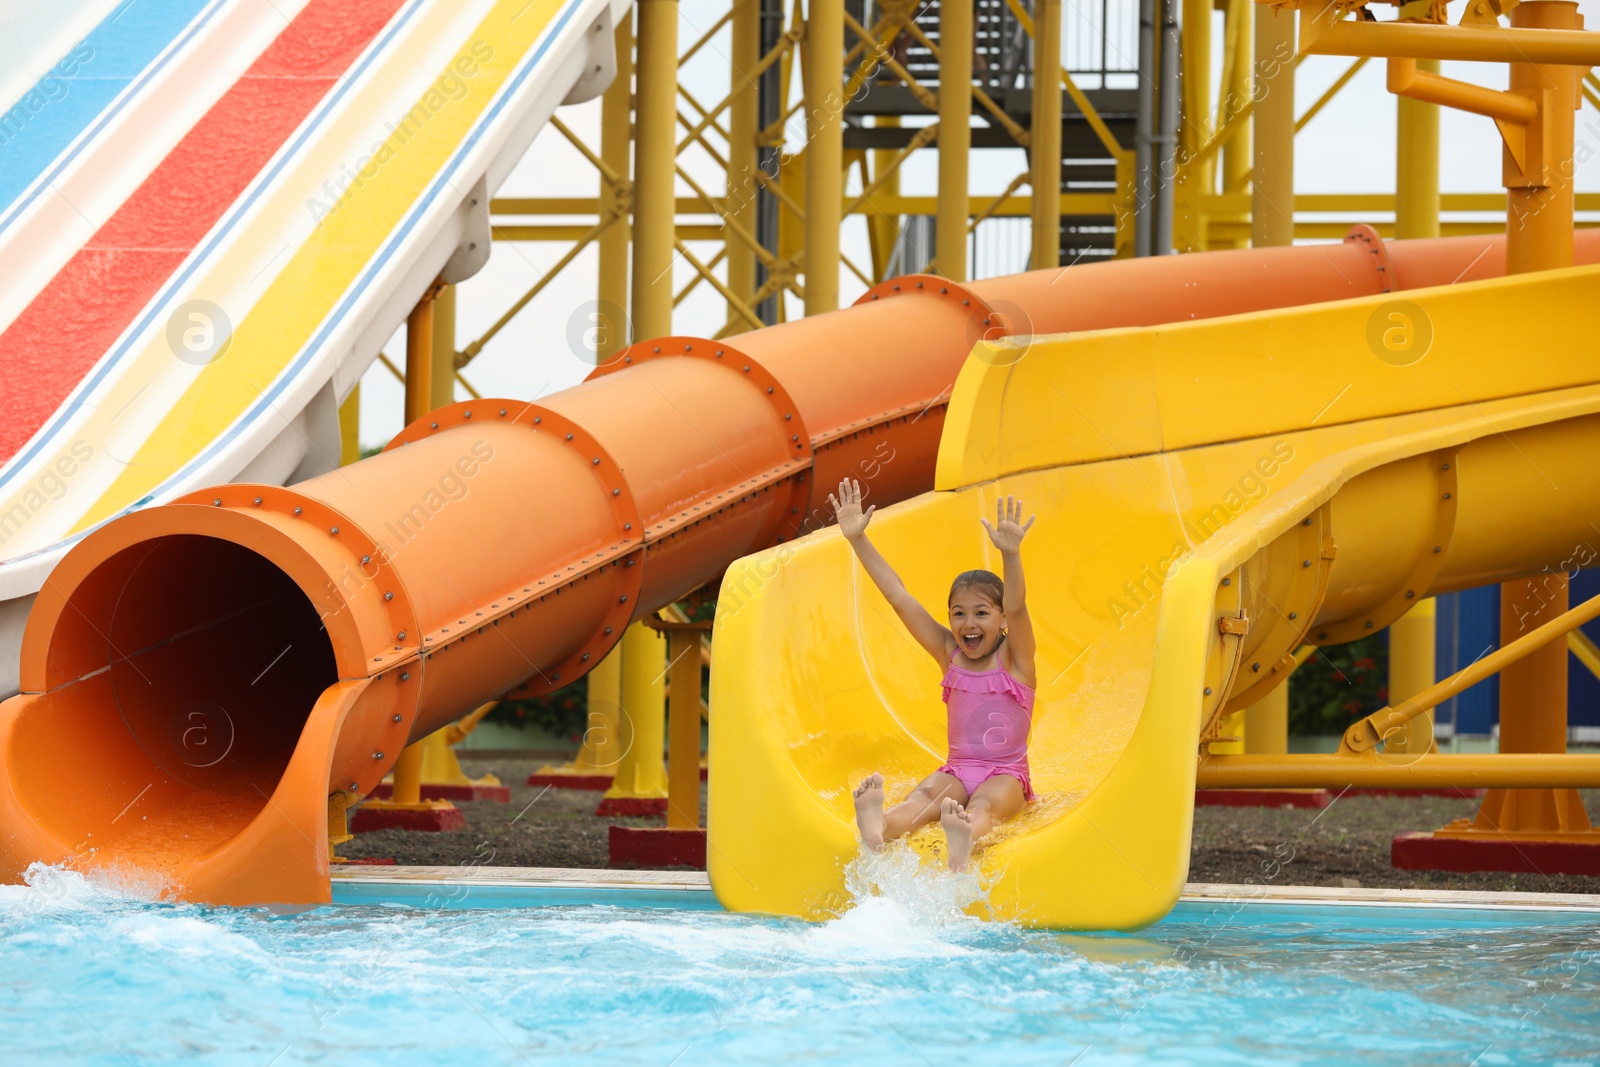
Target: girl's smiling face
column 976, row 621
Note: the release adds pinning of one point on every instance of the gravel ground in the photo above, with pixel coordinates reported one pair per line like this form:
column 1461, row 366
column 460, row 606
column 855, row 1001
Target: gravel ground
column 1344, row 844
column 539, row 828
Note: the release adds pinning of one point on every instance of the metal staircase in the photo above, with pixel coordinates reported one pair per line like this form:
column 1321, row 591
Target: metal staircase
column 1002, row 67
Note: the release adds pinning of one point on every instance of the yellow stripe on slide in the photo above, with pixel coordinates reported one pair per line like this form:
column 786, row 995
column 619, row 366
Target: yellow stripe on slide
column 323, row 268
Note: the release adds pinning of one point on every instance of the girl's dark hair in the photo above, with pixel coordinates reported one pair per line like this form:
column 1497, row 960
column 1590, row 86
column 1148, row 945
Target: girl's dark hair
column 986, row 582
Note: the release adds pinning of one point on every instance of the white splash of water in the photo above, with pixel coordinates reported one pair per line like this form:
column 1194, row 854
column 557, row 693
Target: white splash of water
column 50, row 888
column 901, row 905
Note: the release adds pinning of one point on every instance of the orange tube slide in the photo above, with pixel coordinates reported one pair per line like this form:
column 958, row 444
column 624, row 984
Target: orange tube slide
column 199, row 677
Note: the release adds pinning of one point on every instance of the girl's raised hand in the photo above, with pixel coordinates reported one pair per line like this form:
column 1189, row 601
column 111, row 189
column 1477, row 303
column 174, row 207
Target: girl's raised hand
column 1008, row 529
column 847, row 506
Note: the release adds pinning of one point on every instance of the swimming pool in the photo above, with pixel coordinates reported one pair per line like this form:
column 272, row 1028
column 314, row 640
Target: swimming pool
column 96, row 976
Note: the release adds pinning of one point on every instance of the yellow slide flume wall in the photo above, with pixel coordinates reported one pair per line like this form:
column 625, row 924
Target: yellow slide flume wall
column 1161, row 462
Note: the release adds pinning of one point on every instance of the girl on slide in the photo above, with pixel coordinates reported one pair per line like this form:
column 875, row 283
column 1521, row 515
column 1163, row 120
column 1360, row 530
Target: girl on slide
column 987, row 655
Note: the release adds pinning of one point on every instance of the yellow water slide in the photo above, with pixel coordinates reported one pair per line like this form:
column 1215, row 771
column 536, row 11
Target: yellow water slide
column 1210, row 495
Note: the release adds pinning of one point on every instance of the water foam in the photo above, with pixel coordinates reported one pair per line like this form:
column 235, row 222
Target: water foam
column 47, row 888
column 901, row 906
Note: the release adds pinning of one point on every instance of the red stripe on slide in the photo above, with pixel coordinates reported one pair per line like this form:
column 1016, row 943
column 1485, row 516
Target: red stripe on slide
column 60, row 336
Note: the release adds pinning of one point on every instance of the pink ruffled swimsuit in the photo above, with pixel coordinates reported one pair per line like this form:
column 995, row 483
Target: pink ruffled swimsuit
column 990, row 713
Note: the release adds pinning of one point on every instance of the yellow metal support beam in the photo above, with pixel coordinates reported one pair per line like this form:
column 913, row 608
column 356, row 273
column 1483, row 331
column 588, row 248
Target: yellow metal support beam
column 1195, row 128
column 615, row 202
column 824, row 152
column 643, row 717
column 1539, row 202
column 1411, row 671
column 1324, row 31
column 582, row 235
column 889, row 170
column 1518, row 610
column 882, row 53
column 1533, row 686
column 655, row 167
column 1368, row 203
column 743, row 104
column 442, row 363
column 1316, row 107
column 1272, row 175
column 683, row 718
column 705, row 38
column 997, row 113
column 955, row 138
column 1233, row 135
column 423, row 389
column 601, row 749
column 419, row 358
column 1091, row 115
column 779, row 52
column 1416, row 163
column 350, row 426
column 1376, row 771
column 1266, row 723
column 1580, row 645
column 436, row 762
column 1046, row 132
column 640, row 773
column 737, row 305
column 884, row 200
column 883, row 227
column 694, row 283
column 1222, row 230
column 607, row 172
column 1328, row 94
column 470, row 352
column 517, row 206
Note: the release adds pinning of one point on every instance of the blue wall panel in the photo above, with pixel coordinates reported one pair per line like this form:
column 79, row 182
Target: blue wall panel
column 1469, row 628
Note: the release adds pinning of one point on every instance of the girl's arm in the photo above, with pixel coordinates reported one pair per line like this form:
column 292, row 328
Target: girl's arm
column 1007, row 533
column 936, row 639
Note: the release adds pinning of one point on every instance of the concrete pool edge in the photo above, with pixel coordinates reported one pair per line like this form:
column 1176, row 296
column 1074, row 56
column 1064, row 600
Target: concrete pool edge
column 523, row 877
column 558, row 885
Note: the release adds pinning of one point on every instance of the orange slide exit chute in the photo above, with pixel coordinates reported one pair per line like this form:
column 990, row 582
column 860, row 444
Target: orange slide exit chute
column 198, row 677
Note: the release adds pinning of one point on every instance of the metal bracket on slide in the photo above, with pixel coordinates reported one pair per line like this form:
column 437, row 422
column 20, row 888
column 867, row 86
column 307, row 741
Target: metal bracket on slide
column 799, row 443
column 600, row 67
column 995, row 323
column 473, row 251
column 1222, row 664
column 626, row 552
column 1365, row 236
column 1307, row 550
column 1422, row 575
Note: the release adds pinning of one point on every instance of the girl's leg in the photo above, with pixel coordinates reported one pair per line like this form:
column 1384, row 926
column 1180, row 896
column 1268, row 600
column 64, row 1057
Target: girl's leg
column 993, row 802
column 878, row 826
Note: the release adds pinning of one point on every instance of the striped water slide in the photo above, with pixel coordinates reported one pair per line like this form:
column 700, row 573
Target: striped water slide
column 199, row 259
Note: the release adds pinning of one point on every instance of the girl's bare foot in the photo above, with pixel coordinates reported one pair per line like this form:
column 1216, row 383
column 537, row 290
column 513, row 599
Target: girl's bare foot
column 869, row 811
column 957, row 832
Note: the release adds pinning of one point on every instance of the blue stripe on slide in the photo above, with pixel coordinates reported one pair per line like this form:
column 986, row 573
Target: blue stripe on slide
column 82, row 86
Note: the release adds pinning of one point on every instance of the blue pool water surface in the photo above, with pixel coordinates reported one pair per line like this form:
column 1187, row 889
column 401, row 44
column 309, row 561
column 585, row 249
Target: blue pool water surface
column 92, row 975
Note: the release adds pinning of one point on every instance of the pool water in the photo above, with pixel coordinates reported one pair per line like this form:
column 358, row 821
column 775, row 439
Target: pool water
column 91, row 974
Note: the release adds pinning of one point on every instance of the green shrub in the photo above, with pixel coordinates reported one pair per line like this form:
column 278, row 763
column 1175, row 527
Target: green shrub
column 1338, row 685
column 562, row 713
